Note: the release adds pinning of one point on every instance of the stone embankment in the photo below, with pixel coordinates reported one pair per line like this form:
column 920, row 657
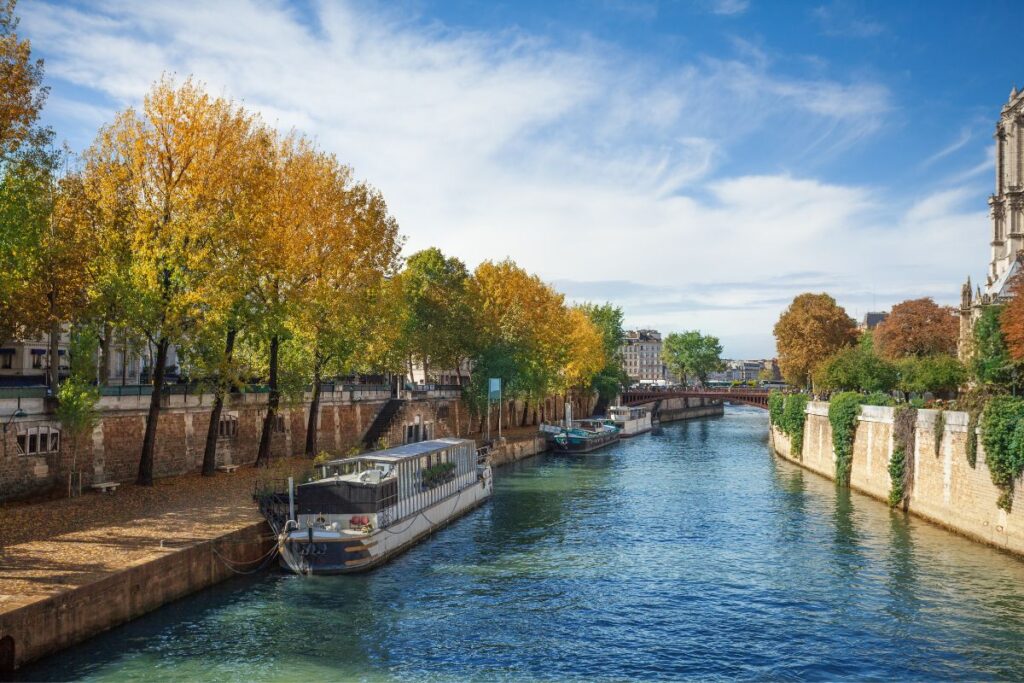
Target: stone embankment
column 943, row 488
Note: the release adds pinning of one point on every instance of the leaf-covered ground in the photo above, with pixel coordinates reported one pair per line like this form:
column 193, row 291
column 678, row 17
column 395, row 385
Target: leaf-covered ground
column 51, row 546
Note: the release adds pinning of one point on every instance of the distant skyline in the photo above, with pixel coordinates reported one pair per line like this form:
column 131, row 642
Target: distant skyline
column 697, row 162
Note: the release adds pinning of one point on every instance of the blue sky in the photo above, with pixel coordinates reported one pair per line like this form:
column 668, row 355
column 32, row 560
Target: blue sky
column 698, row 162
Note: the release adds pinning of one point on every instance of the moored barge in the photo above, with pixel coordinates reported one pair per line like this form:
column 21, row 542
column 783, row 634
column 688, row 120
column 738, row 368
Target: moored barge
column 584, row 436
column 630, row 421
column 363, row 511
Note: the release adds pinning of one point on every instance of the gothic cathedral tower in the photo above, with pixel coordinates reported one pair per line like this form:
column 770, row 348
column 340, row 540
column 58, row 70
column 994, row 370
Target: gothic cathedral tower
column 1007, row 211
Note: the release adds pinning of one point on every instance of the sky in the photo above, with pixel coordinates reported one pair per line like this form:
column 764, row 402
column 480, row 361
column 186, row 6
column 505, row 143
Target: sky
column 696, row 162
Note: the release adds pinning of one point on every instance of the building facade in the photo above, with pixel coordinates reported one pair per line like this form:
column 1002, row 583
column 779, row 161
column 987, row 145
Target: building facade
column 1006, row 211
column 641, row 357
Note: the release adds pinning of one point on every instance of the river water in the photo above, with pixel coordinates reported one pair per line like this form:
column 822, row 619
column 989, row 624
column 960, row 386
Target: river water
column 691, row 554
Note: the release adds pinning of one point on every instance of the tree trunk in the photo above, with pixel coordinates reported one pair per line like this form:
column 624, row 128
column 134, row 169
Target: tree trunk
column 210, row 453
column 314, row 411
column 526, row 412
column 53, row 371
column 273, row 400
column 106, row 351
column 145, row 477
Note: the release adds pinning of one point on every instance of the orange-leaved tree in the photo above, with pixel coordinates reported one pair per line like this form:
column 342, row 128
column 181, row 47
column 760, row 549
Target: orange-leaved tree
column 918, row 327
column 157, row 182
column 1012, row 320
column 808, row 332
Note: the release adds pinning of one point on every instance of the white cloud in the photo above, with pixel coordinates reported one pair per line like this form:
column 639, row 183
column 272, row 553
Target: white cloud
column 580, row 162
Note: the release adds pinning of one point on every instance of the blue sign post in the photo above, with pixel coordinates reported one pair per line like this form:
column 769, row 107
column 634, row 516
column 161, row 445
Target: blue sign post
column 493, row 396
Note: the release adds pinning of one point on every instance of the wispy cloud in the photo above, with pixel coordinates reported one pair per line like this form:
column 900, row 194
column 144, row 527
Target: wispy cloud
column 962, row 139
column 728, row 7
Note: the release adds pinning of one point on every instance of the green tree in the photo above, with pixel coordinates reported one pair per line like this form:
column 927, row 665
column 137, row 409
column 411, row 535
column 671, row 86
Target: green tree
column 991, row 363
column 441, row 327
column 608, row 320
column 856, row 368
column 939, row 374
column 78, row 395
column 692, row 353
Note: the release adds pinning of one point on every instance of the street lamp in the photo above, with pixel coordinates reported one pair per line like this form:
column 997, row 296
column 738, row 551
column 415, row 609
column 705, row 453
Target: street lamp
column 17, row 413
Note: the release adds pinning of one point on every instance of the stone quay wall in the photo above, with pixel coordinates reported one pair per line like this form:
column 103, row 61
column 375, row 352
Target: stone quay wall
column 689, row 408
column 47, row 626
column 943, row 489
column 110, row 453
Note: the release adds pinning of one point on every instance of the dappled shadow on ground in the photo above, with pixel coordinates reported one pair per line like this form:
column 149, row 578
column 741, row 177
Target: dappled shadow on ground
column 52, row 546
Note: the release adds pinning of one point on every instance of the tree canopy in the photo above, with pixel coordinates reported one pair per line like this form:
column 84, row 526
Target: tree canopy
column 810, row 330
column 692, row 354
column 918, row 327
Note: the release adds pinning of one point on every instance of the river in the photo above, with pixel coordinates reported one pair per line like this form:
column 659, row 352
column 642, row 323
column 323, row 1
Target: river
column 690, row 554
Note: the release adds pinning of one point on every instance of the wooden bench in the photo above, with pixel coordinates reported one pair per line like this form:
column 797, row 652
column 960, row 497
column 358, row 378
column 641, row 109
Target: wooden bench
column 106, row 486
column 228, row 469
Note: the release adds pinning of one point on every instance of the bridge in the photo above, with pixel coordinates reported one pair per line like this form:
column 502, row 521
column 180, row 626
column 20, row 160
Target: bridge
column 746, row 396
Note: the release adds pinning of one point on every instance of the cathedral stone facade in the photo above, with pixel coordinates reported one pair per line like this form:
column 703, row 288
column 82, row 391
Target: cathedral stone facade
column 1006, row 208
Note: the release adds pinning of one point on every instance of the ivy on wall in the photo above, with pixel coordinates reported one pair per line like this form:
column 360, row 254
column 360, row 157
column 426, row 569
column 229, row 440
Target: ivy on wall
column 843, row 411
column 1002, row 434
column 776, row 404
column 901, row 464
column 939, row 430
column 794, row 414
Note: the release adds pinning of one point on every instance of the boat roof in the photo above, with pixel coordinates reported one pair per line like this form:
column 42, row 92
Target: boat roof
column 409, row 450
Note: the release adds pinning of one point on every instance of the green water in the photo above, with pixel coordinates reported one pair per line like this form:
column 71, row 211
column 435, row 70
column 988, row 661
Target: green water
column 693, row 554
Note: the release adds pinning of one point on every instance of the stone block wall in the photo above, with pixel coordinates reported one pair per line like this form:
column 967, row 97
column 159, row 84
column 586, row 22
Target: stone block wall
column 944, row 488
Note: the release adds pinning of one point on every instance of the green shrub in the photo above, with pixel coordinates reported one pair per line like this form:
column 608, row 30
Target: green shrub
column 877, row 398
column 1002, row 434
column 843, row 411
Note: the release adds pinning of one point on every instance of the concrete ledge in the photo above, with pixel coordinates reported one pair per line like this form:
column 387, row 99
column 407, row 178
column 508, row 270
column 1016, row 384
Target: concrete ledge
column 58, row 621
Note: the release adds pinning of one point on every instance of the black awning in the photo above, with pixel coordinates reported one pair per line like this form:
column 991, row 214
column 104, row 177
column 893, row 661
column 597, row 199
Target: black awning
column 6, row 352
column 38, row 352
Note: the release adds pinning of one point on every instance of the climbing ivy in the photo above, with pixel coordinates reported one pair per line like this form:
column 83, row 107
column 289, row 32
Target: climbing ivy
column 972, row 437
column 794, row 414
column 776, row 404
column 902, row 461
column 1002, row 434
column 843, row 411
column 940, row 428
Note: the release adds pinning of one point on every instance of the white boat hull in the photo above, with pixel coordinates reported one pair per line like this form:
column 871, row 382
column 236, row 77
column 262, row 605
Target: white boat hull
column 326, row 551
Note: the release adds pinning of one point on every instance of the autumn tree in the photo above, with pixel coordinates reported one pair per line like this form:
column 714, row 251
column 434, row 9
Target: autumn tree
column 584, row 350
column 357, row 248
column 1011, row 320
column 27, row 170
column 918, row 327
column 692, row 353
column 159, row 177
column 991, row 362
column 810, row 330
column 521, row 324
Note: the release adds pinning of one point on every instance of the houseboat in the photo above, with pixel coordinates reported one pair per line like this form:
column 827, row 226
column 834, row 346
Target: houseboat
column 630, row 421
column 360, row 512
column 583, row 436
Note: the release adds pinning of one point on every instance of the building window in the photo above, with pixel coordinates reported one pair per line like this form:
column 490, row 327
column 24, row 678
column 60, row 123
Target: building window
column 279, row 424
column 442, row 412
column 37, row 359
column 7, row 359
column 38, row 440
column 227, row 428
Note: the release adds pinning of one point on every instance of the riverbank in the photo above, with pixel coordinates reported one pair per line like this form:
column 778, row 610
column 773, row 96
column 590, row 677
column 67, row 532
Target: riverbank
column 943, row 487
column 72, row 568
